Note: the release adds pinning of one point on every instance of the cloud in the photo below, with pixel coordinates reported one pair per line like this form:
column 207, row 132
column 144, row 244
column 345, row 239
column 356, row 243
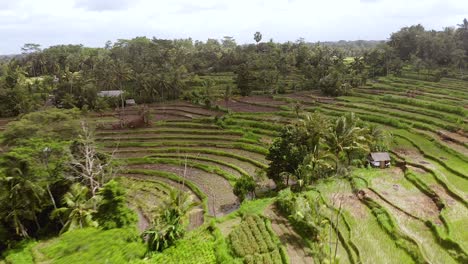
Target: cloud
column 103, row 5
column 93, row 22
column 192, row 8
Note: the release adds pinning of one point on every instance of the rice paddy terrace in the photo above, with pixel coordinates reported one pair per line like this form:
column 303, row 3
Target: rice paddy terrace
column 412, row 213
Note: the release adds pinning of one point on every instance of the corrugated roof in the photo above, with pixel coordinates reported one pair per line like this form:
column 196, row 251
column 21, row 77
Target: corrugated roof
column 110, row 93
column 380, row 156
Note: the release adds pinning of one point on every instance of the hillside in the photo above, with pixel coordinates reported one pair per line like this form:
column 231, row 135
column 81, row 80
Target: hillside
column 413, row 212
column 153, row 150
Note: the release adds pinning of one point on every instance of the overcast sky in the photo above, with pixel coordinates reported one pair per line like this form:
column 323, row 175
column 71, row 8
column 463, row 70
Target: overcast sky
column 93, row 22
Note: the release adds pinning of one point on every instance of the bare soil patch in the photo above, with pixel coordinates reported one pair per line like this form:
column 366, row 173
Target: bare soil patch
column 297, row 250
column 311, row 97
column 442, row 193
column 170, row 116
column 187, row 109
column 261, row 99
column 143, row 222
column 5, row 121
column 455, row 137
column 177, row 111
column 350, row 203
column 238, row 106
column 413, row 155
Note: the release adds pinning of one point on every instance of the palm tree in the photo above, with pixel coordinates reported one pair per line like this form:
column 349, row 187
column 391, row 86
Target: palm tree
column 316, row 164
column 345, row 136
column 121, row 73
column 25, row 196
column 78, row 210
column 378, row 139
column 169, row 223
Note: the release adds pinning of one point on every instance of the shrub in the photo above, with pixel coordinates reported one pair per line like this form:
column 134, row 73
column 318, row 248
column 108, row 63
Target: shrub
column 113, row 211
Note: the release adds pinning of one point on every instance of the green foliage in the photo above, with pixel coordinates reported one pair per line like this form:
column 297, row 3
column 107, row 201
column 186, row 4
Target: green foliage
column 244, row 79
column 308, row 214
column 244, row 185
column 253, row 241
column 197, row 247
column 429, row 49
column 168, row 226
column 21, row 195
column 21, row 253
column 35, row 171
column 222, row 249
column 316, row 148
column 78, row 209
column 17, row 96
column 53, row 124
column 113, row 211
column 92, row 245
column 333, row 84
column 435, row 106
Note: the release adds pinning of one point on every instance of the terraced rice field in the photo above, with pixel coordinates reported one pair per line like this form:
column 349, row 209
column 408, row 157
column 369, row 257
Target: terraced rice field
column 411, row 213
column 190, row 153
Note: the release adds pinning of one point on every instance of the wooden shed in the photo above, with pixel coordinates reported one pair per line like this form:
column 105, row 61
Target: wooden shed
column 379, row 159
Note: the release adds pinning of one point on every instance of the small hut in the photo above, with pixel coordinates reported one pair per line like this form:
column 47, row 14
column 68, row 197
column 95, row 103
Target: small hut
column 114, row 94
column 110, row 93
column 130, row 102
column 379, row 159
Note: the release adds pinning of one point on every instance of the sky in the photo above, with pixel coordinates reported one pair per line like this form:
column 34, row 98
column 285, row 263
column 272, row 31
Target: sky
column 93, row 22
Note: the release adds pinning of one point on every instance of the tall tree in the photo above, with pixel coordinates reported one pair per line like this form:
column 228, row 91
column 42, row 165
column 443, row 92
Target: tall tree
column 258, row 37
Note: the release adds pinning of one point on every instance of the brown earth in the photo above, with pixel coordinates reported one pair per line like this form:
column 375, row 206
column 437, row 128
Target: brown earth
column 238, row 106
column 413, row 155
column 261, row 99
column 297, row 250
column 350, row 203
column 187, row 109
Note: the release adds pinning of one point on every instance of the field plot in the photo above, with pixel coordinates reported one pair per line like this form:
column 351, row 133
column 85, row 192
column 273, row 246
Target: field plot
column 411, row 213
column 193, row 154
column 423, row 204
column 254, row 242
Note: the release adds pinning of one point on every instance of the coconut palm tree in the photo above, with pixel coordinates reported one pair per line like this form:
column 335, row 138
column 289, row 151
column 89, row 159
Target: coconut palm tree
column 346, row 137
column 318, row 163
column 78, row 210
column 168, row 226
column 378, row 138
column 24, row 194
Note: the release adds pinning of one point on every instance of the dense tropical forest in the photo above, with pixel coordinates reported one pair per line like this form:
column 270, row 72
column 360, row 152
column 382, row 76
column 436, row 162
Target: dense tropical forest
column 183, row 151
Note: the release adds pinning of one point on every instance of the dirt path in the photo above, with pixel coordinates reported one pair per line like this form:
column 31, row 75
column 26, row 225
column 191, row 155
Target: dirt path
column 297, row 250
column 143, row 222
